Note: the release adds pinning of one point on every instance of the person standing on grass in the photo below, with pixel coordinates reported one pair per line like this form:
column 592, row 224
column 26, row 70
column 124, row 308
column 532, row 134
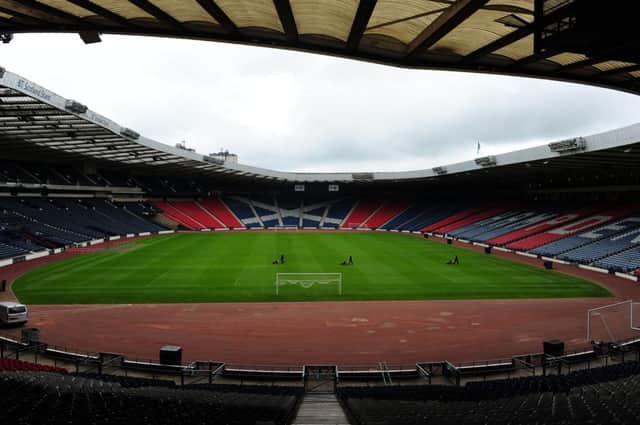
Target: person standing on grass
column 281, row 258
column 351, row 260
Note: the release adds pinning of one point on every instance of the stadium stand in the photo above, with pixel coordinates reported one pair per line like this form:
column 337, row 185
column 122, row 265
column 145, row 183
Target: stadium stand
column 585, row 238
column 568, row 229
column 607, row 246
column 216, row 207
column 360, row 213
column 542, row 226
column 510, row 224
column 197, row 214
column 598, row 396
column 53, row 398
column 7, row 364
column 178, row 216
column 243, row 211
column 336, row 213
column 474, row 218
column 450, row 219
column 385, row 213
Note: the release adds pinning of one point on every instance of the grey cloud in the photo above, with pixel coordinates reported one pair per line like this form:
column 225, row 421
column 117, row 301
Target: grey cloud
column 296, row 111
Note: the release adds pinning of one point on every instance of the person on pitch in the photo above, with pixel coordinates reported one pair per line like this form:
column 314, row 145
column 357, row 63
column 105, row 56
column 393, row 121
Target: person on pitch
column 351, row 260
column 281, row 258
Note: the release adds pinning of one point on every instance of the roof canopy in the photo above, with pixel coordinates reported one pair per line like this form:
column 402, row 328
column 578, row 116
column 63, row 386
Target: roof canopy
column 494, row 36
column 38, row 124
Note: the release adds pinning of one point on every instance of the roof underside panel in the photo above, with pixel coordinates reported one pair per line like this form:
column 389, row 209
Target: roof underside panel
column 477, row 31
column 327, row 18
column 252, row 13
column 403, row 20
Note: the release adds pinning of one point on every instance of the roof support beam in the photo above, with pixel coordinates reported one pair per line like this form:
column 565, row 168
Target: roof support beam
column 158, row 13
column 218, row 14
column 286, row 18
column 365, row 10
column 443, row 25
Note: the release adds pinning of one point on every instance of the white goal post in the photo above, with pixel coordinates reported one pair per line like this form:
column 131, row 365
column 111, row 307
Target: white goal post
column 622, row 312
column 307, row 280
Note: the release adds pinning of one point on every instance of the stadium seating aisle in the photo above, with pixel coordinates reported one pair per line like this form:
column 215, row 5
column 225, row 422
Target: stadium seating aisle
column 608, row 395
column 52, row 398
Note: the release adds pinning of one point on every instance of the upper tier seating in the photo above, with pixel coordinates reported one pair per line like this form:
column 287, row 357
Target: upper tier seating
column 195, row 212
column 386, row 212
column 360, row 213
column 216, row 207
column 569, row 229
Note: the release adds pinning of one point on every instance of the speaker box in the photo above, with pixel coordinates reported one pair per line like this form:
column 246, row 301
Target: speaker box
column 171, row 355
column 548, row 265
column 487, row 250
column 425, row 236
column 553, row 347
column 449, row 241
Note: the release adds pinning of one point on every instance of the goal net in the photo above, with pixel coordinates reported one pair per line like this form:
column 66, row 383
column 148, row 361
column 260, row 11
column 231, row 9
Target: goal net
column 613, row 322
column 308, row 280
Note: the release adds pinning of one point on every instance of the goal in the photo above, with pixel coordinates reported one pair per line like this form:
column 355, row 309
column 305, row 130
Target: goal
column 308, row 280
column 613, row 322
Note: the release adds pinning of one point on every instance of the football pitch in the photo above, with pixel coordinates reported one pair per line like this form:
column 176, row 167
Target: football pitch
column 237, row 267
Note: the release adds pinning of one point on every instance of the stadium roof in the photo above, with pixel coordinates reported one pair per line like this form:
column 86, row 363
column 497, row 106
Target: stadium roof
column 38, row 124
column 494, row 36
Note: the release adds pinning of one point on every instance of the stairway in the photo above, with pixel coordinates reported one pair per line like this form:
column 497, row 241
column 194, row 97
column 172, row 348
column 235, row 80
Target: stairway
column 320, row 409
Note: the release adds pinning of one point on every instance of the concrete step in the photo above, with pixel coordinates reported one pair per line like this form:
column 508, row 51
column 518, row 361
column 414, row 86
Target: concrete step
column 320, row 409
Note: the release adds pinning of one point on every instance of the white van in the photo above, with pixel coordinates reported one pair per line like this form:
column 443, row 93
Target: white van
column 11, row 313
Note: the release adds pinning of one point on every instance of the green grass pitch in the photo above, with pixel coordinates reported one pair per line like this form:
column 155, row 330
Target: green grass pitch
column 237, row 266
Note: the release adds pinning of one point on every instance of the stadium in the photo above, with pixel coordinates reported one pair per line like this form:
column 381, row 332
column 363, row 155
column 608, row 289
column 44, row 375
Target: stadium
column 168, row 286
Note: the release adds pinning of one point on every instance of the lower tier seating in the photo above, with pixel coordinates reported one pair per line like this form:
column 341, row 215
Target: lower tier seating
column 608, row 395
column 52, row 398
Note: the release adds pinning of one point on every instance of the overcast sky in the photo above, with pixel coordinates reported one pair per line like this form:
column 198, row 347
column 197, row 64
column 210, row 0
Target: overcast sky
column 296, row 111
